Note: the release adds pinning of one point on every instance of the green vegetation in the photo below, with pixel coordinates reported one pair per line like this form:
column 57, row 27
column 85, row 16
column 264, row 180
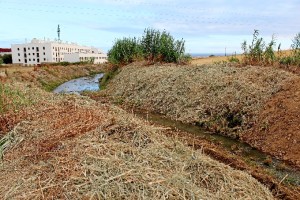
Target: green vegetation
column 233, row 59
column 125, row 51
column 107, row 77
column 6, row 59
column 260, row 53
column 154, row 46
column 294, row 58
column 65, row 63
column 11, row 99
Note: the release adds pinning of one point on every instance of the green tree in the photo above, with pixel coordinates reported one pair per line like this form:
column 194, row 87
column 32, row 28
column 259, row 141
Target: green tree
column 154, row 46
column 7, row 58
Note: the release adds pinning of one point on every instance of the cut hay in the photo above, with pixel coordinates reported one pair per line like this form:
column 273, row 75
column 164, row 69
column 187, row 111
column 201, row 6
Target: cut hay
column 222, row 98
column 70, row 147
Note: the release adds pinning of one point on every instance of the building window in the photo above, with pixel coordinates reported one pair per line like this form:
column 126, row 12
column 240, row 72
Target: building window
column 25, row 60
column 44, row 59
column 33, row 59
column 19, row 60
column 43, row 48
column 38, row 60
column 28, row 48
column 44, row 53
column 37, row 49
column 18, row 49
column 29, row 54
column 18, row 54
column 32, row 48
column 29, row 59
column 37, row 55
column 33, row 54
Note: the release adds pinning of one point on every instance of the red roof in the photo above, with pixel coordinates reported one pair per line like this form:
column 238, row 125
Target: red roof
column 5, row 50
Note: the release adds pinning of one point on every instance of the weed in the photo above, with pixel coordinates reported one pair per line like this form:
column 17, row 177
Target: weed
column 233, row 59
column 11, row 99
column 106, row 78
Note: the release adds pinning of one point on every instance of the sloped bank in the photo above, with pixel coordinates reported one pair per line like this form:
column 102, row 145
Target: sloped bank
column 67, row 146
column 225, row 99
column 222, row 98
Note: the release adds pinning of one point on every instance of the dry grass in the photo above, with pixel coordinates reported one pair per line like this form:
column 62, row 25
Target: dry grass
column 70, row 147
column 222, row 98
column 220, row 59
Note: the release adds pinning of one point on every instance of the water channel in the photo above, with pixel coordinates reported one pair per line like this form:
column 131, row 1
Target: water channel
column 251, row 155
column 76, row 86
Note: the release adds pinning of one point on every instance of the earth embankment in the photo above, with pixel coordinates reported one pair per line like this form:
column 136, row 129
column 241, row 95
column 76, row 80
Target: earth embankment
column 258, row 104
column 67, row 146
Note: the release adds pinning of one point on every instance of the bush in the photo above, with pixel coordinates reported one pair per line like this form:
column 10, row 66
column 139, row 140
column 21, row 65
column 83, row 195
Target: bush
column 296, row 50
column 6, row 59
column 125, row 51
column 233, row 59
column 258, row 53
column 154, row 46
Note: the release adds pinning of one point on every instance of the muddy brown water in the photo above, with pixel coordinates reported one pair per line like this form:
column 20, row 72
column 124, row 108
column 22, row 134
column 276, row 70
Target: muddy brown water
column 252, row 156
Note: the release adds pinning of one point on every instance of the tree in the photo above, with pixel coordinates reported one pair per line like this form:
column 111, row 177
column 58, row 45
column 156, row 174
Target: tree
column 7, row 58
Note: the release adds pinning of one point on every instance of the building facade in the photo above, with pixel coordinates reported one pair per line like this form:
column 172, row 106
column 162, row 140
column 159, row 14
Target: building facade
column 46, row 51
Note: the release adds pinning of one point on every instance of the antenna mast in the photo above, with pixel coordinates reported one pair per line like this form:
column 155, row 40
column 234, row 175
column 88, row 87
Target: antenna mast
column 58, row 32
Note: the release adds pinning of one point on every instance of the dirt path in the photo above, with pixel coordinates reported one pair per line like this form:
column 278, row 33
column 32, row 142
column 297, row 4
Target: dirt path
column 278, row 129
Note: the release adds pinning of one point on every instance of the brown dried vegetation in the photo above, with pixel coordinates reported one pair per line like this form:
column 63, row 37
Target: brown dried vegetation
column 222, row 98
column 71, row 147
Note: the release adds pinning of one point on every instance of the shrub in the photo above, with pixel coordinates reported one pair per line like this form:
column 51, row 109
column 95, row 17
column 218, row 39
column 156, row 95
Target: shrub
column 296, row 50
column 233, row 59
column 7, row 59
column 124, row 51
column 154, row 46
column 258, row 53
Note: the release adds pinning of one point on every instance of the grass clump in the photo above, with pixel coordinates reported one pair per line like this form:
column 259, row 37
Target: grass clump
column 11, row 99
column 154, row 46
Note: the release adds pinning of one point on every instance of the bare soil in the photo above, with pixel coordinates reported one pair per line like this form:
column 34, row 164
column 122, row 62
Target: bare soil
column 278, row 129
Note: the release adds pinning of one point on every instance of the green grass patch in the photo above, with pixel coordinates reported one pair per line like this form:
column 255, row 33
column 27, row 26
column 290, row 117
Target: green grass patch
column 11, row 99
column 107, row 77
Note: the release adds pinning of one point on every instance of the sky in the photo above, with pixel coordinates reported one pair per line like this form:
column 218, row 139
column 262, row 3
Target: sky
column 207, row 26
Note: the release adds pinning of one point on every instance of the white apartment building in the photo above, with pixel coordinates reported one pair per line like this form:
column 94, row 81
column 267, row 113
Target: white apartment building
column 46, row 51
